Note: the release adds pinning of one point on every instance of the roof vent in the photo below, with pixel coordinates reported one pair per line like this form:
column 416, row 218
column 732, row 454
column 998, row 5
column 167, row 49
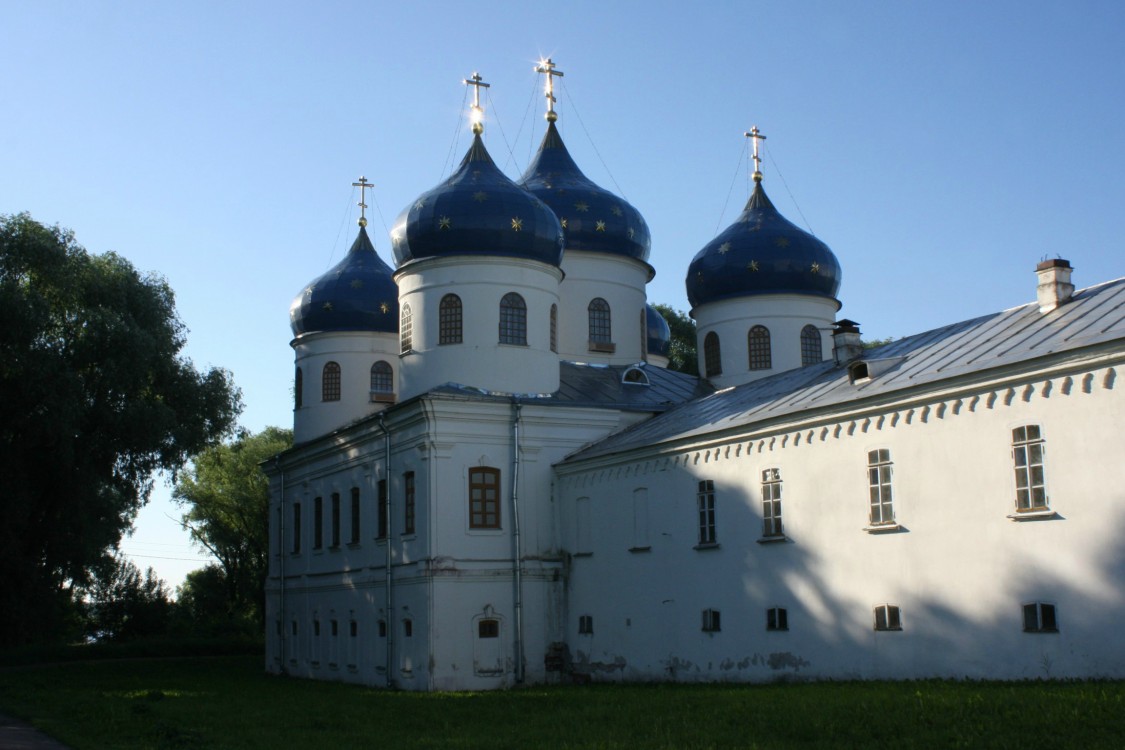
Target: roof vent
column 635, row 376
column 1054, row 287
column 846, row 344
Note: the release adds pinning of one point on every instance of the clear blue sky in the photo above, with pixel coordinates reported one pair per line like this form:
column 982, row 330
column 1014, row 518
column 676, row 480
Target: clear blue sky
column 940, row 148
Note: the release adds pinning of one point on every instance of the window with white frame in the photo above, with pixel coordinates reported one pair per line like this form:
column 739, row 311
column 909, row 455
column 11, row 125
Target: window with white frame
column 811, row 346
column 711, row 621
column 1028, row 449
column 449, row 320
column 600, row 331
column 705, row 500
column 484, row 498
column 1039, row 617
column 382, row 377
column 405, row 329
column 758, row 344
column 887, row 617
column 777, row 618
column 330, row 382
column 513, row 320
column 771, row 503
column 879, row 487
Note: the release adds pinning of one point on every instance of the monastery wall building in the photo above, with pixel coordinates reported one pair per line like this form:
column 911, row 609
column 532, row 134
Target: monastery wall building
column 496, row 480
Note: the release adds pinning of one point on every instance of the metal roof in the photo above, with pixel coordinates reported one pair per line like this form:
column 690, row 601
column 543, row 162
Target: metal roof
column 1093, row 316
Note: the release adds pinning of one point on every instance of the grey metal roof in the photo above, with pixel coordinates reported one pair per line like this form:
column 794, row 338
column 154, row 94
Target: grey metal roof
column 601, row 386
column 1093, row 316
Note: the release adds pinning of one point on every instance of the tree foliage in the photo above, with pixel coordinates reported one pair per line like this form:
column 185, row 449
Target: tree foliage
column 681, row 355
column 94, row 398
column 122, row 604
column 227, row 495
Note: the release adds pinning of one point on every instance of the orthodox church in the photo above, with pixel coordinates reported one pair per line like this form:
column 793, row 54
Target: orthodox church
column 496, row 480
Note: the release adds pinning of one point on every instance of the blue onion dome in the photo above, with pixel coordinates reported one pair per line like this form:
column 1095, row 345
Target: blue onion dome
column 357, row 294
column 762, row 253
column 659, row 334
column 593, row 219
column 477, row 212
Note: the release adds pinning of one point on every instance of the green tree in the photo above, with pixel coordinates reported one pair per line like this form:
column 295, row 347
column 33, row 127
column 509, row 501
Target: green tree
column 227, row 495
column 95, row 398
column 122, row 604
column 681, row 355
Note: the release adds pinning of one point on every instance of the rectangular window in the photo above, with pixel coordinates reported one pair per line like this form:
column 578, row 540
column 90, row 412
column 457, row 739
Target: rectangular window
column 316, row 628
column 353, row 628
column 879, row 484
column 586, row 625
column 771, row 503
column 488, row 629
column 318, row 523
column 382, row 628
column 408, row 628
column 296, row 528
column 335, row 628
column 408, row 502
column 484, row 498
column 711, row 621
column 640, row 518
column 293, row 627
column 335, row 519
column 1039, row 617
column 777, row 618
column 706, row 504
column 355, row 516
column 381, row 509
column 887, row 617
column 1028, row 450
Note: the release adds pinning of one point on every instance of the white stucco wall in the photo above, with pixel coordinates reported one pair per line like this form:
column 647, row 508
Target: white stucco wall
column 621, row 283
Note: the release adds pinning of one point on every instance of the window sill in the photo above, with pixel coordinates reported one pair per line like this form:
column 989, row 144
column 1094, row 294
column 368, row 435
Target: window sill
column 1034, row 515
column 582, row 554
column 888, row 630
column 773, row 539
column 354, row 545
column 1042, row 632
column 382, row 398
column 409, row 537
column 380, row 540
column 885, row 528
column 646, row 548
column 605, row 347
column 512, row 343
column 706, row 545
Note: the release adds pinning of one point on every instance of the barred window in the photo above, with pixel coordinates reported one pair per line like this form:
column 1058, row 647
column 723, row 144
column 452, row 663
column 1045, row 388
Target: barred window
column 600, row 331
column 771, row 503
column 488, row 629
column 879, row 483
column 382, row 377
column 318, row 523
column 449, row 320
column 1028, row 449
column 330, row 383
column 555, row 328
column 758, row 342
column 408, row 502
column 706, row 502
column 712, row 358
column 513, row 320
column 298, row 389
column 406, row 330
column 355, row 517
column 484, row 498
column 381, row 510
column 810, row 346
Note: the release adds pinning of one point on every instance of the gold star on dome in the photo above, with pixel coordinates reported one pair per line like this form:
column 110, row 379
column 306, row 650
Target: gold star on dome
column 752, row 266
column 815, row 268
column 443, row 222
column 724, row 248
column 384, row 308
column 756, row 227
column 476, row 173
column 480, row 196
column 781, row 242
column 356, row 284
column 599, row 226
column 581, row 207
column 418, row 204
column 328, row 306
column 616, row 210
column 517, row 224
column 308, row 291
column 631, row 232
column 563, row 221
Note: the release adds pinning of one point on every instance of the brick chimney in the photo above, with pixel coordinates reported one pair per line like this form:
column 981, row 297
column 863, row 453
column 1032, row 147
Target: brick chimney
column 846, row 344
column 1054, row 287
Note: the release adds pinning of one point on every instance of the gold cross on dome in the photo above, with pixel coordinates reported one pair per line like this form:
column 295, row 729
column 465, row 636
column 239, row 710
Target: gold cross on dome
column 476, row 114
column 548, row 66
column 757, row 136
column 363, row 184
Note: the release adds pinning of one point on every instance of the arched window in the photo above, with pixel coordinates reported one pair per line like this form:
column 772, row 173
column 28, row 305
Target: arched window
column 712, row 358
column 406, row 330
column 599, row 321
column 330, row 383
column 810, row 346
column 513, row 320
column 758, row 342
column 382, row 377
column 555, row 328
column 449, row 320
column 298, row 389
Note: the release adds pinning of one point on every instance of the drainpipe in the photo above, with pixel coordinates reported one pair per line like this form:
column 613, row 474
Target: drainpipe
column 281, row 558
column 517, row 563
column 388, row 600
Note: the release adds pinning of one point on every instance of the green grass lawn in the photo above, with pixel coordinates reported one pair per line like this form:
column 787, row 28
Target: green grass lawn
column 228, row 702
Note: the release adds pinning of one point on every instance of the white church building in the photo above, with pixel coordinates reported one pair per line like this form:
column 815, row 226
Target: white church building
column 496, row 480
